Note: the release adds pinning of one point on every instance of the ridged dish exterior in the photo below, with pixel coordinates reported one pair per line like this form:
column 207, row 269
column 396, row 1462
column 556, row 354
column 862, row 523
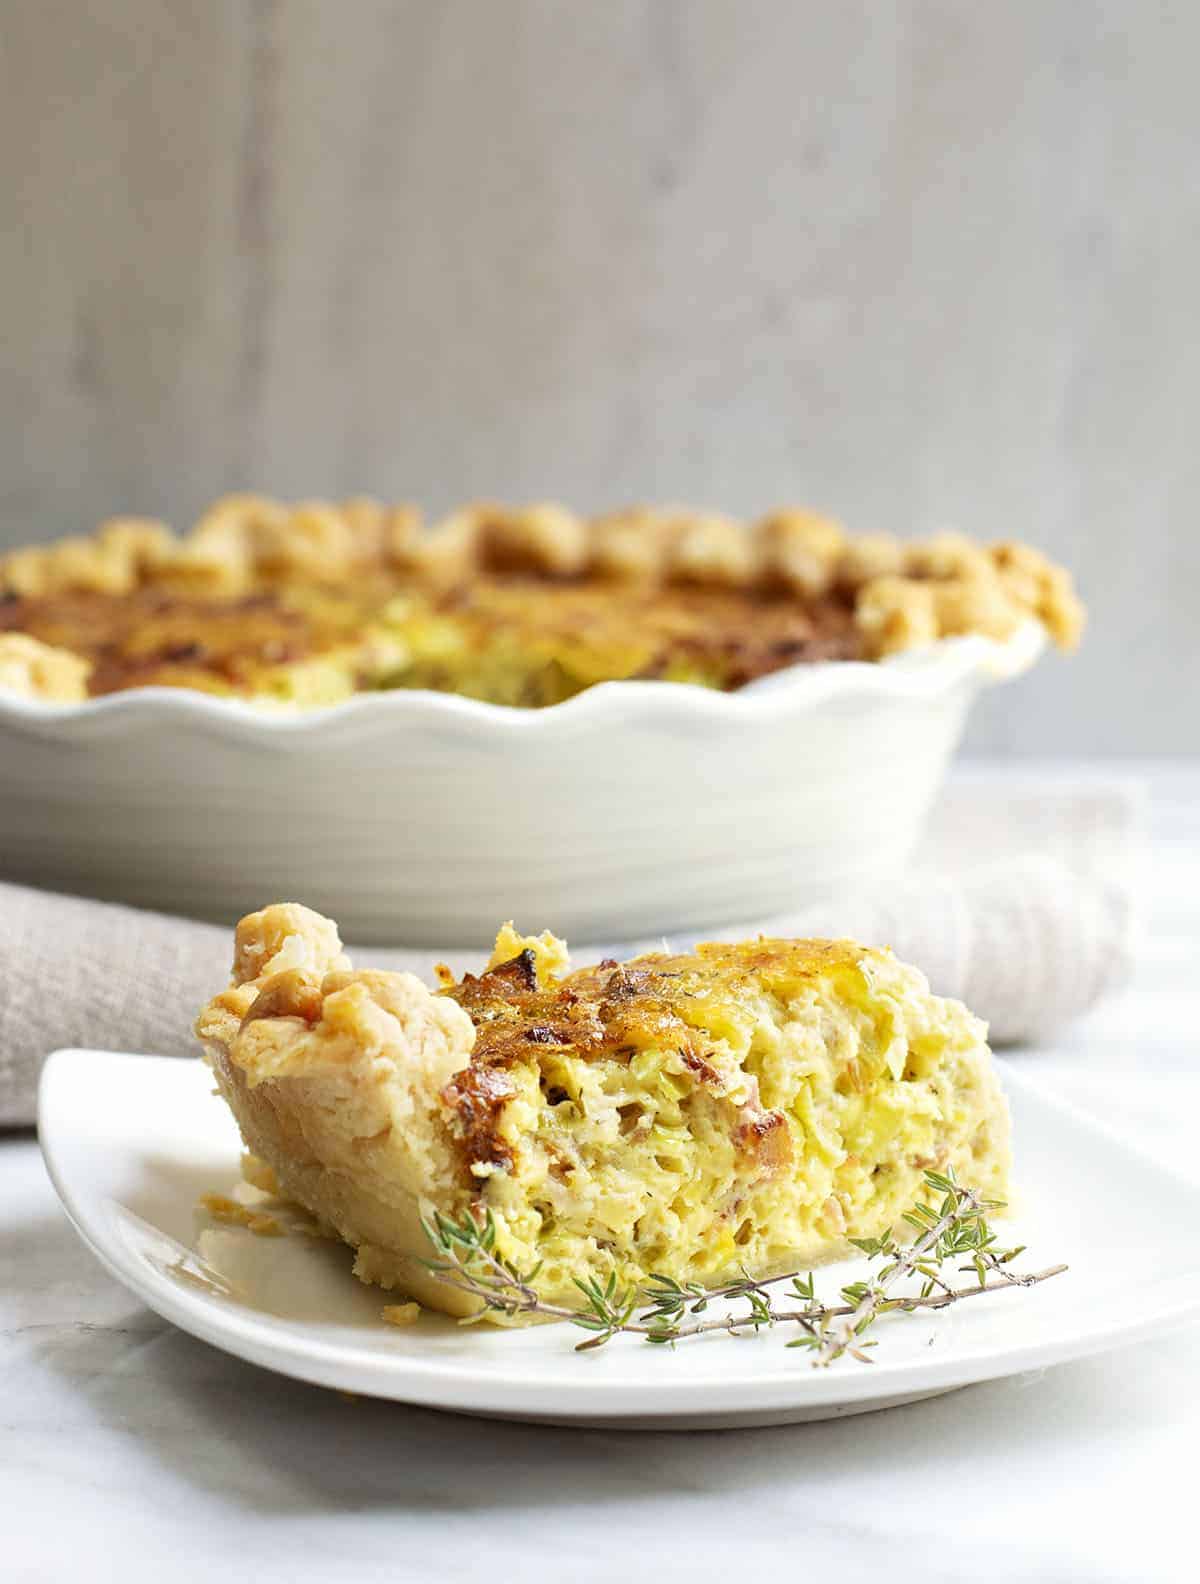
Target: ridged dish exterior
column 424, row 818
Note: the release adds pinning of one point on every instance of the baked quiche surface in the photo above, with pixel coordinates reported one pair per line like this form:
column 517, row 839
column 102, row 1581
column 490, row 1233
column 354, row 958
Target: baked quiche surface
column 747, row 1107
column 306, row 605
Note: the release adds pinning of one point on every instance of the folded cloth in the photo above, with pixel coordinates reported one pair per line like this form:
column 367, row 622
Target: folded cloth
column 1018, row 903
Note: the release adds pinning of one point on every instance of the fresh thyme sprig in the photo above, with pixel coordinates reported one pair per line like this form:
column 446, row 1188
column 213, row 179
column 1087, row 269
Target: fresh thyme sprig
column 957, row 1227
column 666, row 1311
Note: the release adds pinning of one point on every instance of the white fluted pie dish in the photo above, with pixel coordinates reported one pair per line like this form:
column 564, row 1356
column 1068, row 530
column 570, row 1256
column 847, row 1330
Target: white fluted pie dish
column 420, row 817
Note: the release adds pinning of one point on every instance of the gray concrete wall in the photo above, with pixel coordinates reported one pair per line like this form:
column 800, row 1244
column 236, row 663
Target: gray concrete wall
column 919, row 264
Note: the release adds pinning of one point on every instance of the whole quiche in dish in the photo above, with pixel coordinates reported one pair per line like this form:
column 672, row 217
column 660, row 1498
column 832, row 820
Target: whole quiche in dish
column 310, row 604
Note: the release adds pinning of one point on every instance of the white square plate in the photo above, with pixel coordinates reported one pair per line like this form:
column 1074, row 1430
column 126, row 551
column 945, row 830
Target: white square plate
column 131, row 1143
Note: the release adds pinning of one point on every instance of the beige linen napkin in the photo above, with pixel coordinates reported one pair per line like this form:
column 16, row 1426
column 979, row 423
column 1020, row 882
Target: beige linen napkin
column 1019, row 903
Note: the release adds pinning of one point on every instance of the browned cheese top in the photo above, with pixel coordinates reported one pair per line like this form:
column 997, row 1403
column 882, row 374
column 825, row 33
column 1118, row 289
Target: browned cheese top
column 162, row 637
column 615, row 1010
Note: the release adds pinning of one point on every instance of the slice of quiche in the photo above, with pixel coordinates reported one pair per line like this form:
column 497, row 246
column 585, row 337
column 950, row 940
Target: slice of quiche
column 747, row 1107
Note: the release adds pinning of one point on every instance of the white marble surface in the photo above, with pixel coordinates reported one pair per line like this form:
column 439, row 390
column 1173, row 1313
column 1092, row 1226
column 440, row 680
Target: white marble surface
column 130, row 1451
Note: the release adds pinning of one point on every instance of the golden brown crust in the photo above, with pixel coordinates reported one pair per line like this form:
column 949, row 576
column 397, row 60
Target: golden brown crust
column 334, row 1077
column 800, row 550
column 35, row 670
column 252, row 563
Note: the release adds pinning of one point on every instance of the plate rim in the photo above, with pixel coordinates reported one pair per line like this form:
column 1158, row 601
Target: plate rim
column 449, row 1384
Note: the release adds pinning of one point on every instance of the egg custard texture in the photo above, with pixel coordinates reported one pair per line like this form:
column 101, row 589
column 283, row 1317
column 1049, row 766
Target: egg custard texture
column 747, row 1107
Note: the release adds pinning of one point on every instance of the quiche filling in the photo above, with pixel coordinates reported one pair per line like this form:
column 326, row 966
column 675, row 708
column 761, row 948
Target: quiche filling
column 308, row 605
column 507, row 641
column 746, row 1107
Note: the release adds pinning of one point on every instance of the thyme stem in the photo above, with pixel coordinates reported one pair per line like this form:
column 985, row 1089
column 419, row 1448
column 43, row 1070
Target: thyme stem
column 938, row 1300
column 839, row 1339
column 467, row 1260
